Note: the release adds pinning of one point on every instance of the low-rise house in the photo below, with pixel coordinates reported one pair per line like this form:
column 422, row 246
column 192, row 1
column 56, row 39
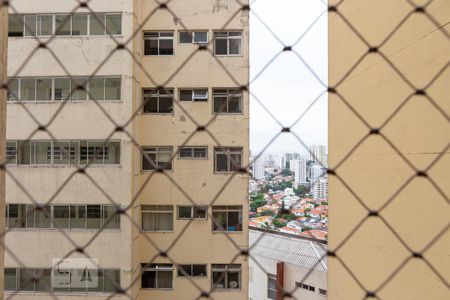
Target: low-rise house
column 315, row 234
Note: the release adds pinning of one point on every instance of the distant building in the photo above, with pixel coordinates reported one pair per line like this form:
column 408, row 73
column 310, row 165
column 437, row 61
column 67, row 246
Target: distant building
column 319, row 189
column 316, row 172
column 302, row 263
column 300, row 171
column 258, row 168
column 318, row 153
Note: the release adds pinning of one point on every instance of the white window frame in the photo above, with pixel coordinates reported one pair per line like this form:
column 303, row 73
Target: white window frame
column 192, row 271
column 192, row 34
column 227, row 268
column 156, row 150
column 227, row 209
column 155, row 209
column 192, row 208
column 155, row 93
column 158, row 38
column 269, row 278
column 226, row 36
column 193, row 152
column 157, row 268
column 230, row 93
column 197, row 94
column 228, row 152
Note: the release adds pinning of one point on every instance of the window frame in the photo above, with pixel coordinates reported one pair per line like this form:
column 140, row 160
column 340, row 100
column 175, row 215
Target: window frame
column 194, row 98
column 15, row 152
column 305, row 286
column 228, row 153
column 228, row 38
column 229, row 94
column 192, row 34
column 192, row 208
column 269, row 289
column 191, row 275
column 167, row 93
column 153, row 209
column 227, row 209
column 158, row 267
column 193, row 152
column 158, row 38
column 226, row 268
column 156, row 152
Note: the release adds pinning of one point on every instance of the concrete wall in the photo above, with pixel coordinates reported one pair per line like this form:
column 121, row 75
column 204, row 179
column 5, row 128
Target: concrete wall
column 375, row 171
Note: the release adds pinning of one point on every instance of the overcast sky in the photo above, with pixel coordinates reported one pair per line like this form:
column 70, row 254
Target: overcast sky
column 287, row 87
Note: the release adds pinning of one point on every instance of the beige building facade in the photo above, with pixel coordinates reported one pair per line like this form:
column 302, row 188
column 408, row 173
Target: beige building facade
column 128, row 114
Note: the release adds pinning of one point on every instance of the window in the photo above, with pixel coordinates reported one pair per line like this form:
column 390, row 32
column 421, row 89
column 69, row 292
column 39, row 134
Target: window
column 65, row 24
column 158, row 43
column 227, row 101
column 305, row 286
column 156, row 276
column 227, row 218
column 193, row 152
column 65, row 152
column 322, row 292
column 226, row 276
column 194, row 37
column 157, row 217
column 228, row 43
column 60, row 88
column 192, row 270
column 15, row 25
column 271, row 286
column 63, row 216
column 11, row 152
column 196, row 95
column 158, row 101
column 157, row 158
column 186, row 212
column 227, row 159
column 10, row 279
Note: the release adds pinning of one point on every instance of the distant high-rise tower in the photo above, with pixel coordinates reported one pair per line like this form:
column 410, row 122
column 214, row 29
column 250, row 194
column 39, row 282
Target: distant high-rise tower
column 318, row 153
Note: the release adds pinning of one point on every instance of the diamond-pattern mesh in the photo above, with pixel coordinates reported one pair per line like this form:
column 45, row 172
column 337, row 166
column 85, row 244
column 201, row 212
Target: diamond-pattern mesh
column 381, row 113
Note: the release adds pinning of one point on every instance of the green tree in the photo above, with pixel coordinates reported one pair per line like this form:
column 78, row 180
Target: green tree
column 258, row 202
column 277, row 223
column 289, row 217
column 267, row 213
column 286, row 172
column 324, row 203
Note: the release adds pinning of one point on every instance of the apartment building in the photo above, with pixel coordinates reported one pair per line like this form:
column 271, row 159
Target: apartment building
column 186, row 203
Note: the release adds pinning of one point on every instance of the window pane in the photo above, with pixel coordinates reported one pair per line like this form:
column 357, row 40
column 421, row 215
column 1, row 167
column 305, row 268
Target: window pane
column 221, row 163
column 112, row 153
column 151, row 47
column 79, row 88
column 220, row 46
column 148, row 280
column 43, row 89
column 112, row 88
column 186, row 152
column 184, row 212
column 220, row 221
column 234, row 221
column 165, row 159
column 97, row 24
column 201, row 37
column 97, row 89
column 15, row 25
column 41, row 152
column 187, row 270
column 114, row 24
column 62, row 89
column 111, row 280
column 93, row 216
column 96, row 152
column 164, row 279
column 199, row 270
column 62, row 276
column 62, row 24
column 233, row 280
column 165, row 104
column 30, row 216
column 200, row 212
column 10, row 279
column 220, row 104
column 235, row 162
column 45, row 25
column 234, row 105
column 27, row 89
column 16, row 215
column 26, row 280
column 61, row 152
column 148, row 161
column 218, row 279
column 13, row 89
column 30, row 25
column 185, row 37
column 79, row 24
column 99, row 286
column 11, row 152
column 199, row 152
column 77, row 216
column 42, row 217
column 166, row 47
column 43, row 277
column 61, row 216
column 150, row 104
column 24, row 152
column 186, row 95
column 111, row 217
